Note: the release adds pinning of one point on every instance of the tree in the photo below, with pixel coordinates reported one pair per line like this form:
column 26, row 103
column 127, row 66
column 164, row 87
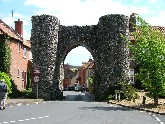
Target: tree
column 91, row 84
column 29, row 85
column 5, row 54
column 7, row 79
column 149, row 53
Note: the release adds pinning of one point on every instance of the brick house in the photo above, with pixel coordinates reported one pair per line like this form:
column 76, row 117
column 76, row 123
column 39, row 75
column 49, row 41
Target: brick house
column 69, row 76
column 85, row 72
column 20, row 53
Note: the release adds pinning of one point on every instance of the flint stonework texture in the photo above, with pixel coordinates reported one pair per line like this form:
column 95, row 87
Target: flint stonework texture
column 51, row 42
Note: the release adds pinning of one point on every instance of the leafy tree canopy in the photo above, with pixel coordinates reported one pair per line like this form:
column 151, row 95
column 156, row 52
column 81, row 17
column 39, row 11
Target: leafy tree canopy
column 5, row 53
column 7, row 79
column 149, row 53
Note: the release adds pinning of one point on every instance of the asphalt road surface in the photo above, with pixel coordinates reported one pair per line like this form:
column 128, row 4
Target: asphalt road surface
column 77, row 108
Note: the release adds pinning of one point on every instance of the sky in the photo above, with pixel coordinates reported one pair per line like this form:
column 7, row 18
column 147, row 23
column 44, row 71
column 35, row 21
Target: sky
column 79, row 12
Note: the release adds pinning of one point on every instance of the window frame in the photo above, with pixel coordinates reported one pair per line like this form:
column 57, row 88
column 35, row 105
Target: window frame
column 19, row 47
column 18, row 74
column 24, row 52
column 131, row 76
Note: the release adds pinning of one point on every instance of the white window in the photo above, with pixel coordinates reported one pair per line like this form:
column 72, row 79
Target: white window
column 19, row 47
column 18, row 72
column 30, row 55
column 23, row 75
column 131, row 76
column 24, row 52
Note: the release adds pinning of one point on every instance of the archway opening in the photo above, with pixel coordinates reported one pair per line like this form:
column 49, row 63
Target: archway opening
column 79, row 71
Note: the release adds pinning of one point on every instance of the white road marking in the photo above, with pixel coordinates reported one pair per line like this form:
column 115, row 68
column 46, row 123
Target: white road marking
column 21, row 120
column 5, row 122
column 19, row 104
column 46, row 116
column 40, row 117
column 12, row 121
column 33, row 118
column 27, row 119
column 157, row 118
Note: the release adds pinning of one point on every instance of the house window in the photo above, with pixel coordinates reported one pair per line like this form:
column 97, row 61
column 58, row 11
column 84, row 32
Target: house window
column 24, row 52
column 18, row 72
column 131, row 76
column 19, row 47
column 30, row 55
column 23, row 75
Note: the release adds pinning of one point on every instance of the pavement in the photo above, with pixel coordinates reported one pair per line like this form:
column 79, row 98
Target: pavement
column 137, row 108
column 132, row 107
column 22, row 101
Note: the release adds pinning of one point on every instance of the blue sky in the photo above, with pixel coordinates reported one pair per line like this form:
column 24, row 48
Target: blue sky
column 79, row 12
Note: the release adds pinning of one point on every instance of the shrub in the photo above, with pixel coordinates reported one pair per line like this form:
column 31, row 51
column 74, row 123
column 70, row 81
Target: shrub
column 129, row 92
column 7, row 79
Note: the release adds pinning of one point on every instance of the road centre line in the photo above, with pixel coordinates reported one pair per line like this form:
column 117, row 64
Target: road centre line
column 27, row 119
column 12, row 121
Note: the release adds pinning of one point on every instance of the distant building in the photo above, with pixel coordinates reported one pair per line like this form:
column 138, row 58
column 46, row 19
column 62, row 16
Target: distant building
column 20, row 53
column 70, row 75
column 85, row 72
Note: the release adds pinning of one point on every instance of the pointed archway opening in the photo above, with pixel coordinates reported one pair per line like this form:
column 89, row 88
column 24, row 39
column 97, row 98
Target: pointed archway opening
column 79, row 70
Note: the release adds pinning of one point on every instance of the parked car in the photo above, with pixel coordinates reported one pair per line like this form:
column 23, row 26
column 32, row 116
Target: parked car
column 70, row 88
column 78, row 88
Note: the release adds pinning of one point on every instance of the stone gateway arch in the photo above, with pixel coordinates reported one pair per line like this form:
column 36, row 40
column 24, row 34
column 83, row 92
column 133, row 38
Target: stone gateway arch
column 51, row 42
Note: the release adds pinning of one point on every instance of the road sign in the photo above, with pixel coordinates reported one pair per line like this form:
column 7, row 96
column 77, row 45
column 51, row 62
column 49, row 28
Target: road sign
column 36, row 71
column 36, row 79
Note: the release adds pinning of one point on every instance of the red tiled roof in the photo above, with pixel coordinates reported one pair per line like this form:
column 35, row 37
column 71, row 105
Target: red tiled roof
column 160, row 28
column 4, row 28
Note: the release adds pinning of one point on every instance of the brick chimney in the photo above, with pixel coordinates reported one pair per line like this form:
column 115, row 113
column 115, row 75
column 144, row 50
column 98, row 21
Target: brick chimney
column 19, row 27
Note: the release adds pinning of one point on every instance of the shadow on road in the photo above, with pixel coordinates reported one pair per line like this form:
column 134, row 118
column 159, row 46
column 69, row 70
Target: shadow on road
column 112, row 108
column 79, row 97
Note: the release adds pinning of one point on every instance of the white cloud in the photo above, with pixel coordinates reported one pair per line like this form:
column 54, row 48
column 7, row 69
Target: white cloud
column 26, row 35
column 77, row 56
column 10, row 22
column 136, row 1
column 152, row 1
column 76, row 12
column 4, row 0
column 158, row 20
column 87, row 12
column 79, row 50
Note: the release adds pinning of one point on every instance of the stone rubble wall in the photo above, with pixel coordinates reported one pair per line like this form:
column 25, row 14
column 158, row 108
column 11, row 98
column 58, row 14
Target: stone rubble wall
column 44, row 40
column 112, row 56
column 52, row 42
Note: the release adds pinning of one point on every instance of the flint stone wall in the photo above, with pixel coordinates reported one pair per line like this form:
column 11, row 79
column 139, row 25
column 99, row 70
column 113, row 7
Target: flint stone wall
column 51, row 42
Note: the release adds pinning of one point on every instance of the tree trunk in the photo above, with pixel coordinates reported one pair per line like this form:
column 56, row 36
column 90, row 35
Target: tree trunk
column 156, row 100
